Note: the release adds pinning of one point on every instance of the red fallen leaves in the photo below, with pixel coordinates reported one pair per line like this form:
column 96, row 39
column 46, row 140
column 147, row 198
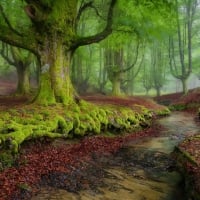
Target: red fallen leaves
column 41, row 159
column 191, row 145
column 190, row 101
column 122, row 101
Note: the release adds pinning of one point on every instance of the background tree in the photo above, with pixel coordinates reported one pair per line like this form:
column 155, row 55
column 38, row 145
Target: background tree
column 21, row 60
column 158, row 66
column 103, row 78
column 134, row 59
column 146, row 79
column 180, row 46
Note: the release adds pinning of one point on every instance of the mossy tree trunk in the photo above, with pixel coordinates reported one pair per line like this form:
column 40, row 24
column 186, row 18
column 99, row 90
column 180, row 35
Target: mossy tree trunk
column 21, row 60
column 23, row 83
column 22, row 63
column 114, row 62
column 55, row 82
column 116, row 85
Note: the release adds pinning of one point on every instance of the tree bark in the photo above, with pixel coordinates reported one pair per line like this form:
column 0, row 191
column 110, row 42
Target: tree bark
column 184, row 86
column 158, row 93
column 116, row 83
column 23, row 84
column 55, row 82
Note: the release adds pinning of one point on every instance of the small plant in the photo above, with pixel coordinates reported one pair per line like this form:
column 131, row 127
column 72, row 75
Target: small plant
column 6, row 160
column 163, row 112
column 177, row 107
column 24, row 187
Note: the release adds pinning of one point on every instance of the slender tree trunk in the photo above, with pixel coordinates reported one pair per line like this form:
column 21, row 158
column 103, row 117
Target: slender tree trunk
column 100, row 69
column 130, row 84
column 158, row 92
column 116, row 83
column 79, row 72
column 116, row 72
column 23, row 84
column 184, row 86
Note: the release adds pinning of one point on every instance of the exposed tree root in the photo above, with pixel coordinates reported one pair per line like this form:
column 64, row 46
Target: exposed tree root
column 34, row 121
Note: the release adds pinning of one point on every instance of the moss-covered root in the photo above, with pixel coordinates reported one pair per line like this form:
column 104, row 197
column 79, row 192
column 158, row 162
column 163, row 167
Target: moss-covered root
column 67, row 121
column 15, row 133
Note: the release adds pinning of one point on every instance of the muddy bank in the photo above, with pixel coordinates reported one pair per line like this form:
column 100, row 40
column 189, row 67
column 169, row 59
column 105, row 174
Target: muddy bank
column 187, row 155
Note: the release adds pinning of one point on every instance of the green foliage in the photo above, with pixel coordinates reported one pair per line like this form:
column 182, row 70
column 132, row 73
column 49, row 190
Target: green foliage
column 163, row 112
column 24, row 187
column 177, row 107
column 148, row 19
column 6, row 160
column 16, row 16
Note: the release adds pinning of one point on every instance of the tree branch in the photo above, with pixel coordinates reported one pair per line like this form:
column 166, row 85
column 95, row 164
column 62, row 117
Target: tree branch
column 99, row 36
column 135, row 60
column 81, row 10
column 8, row 22
column 4, row 54
column 26, row 42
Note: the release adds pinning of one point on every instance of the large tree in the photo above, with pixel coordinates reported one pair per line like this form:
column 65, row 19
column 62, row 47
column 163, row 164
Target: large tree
column 52, row 37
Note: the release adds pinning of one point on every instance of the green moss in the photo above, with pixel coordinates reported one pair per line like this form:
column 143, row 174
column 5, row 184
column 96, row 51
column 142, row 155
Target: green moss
column 64, row 127
column 24, row 187
column 178, row 107
column 66, row 121
column 46, row 94
column 163, row 112
column 6, row 160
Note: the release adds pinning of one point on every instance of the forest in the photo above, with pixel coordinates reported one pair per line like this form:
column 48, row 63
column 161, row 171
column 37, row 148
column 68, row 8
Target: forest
column 84, row 78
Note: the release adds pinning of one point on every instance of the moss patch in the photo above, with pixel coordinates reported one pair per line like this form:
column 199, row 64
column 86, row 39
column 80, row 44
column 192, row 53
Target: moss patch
column 67, row 121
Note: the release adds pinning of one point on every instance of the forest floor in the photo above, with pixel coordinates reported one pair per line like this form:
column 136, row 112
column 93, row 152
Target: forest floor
column 40, row 158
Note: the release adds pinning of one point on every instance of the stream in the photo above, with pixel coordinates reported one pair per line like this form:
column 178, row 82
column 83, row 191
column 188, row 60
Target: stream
column 141, row 170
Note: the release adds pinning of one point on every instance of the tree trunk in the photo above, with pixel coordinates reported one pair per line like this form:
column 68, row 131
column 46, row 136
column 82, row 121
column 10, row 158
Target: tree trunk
column 184, row 86
column 55, row 82
column 158, row 93
column 116, row 83
column 23, row 84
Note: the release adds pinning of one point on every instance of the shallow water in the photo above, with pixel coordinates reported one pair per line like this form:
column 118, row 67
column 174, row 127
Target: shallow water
column 139, row 171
